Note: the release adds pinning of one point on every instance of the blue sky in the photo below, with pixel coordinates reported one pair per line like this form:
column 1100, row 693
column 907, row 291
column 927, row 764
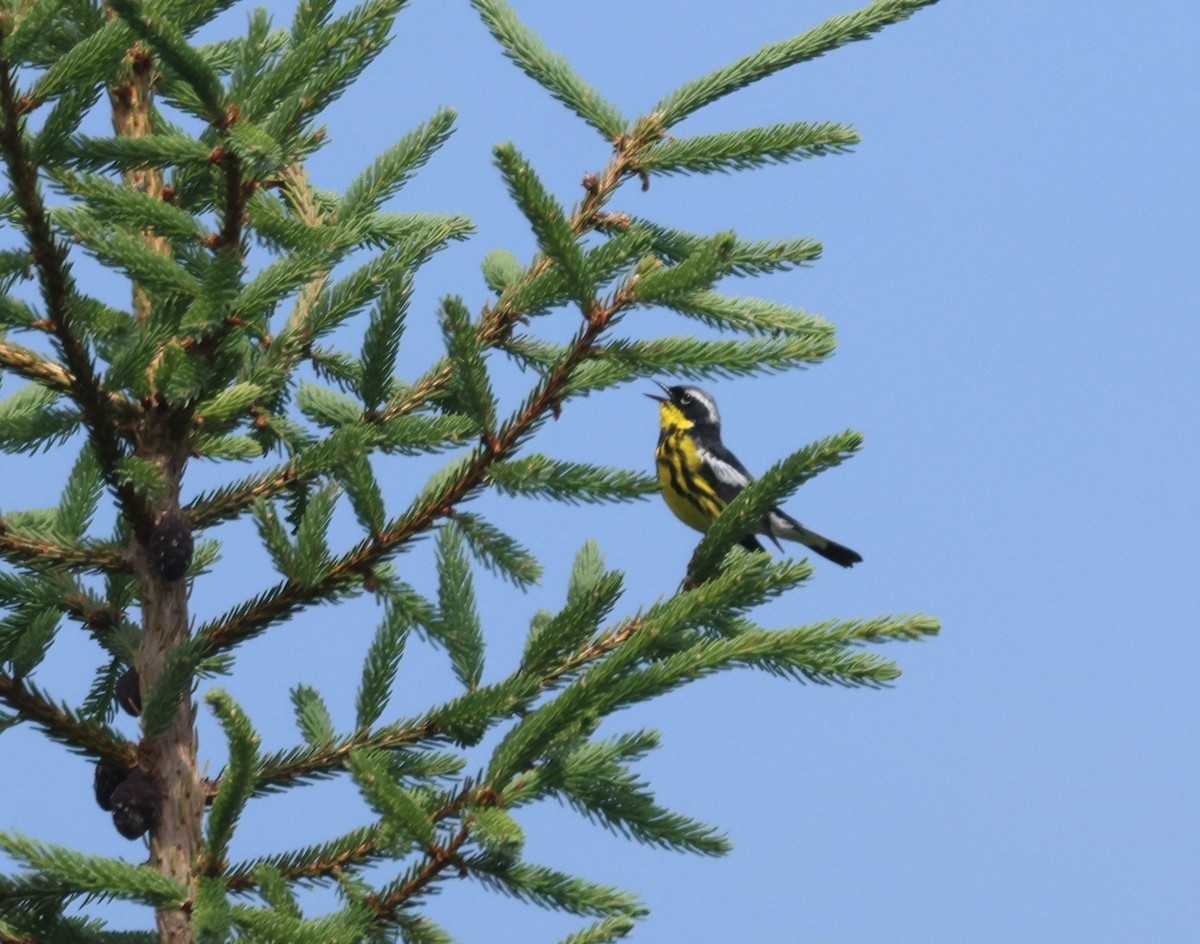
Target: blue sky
column 1010, row 262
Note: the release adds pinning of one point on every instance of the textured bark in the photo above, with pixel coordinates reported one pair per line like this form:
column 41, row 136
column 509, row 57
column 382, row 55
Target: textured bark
column 171, row 757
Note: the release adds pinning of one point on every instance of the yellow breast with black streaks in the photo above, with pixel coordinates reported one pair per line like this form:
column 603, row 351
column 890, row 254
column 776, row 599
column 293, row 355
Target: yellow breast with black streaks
column 680, row 471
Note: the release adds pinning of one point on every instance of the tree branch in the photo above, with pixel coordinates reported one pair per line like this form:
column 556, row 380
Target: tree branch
column 285, row 768
column 366, row 846
column 436, row 861
column 32, row 366
column 292, row 596
column 494, row 328
column 19, row 547
column 90, row 737
column 58, row 293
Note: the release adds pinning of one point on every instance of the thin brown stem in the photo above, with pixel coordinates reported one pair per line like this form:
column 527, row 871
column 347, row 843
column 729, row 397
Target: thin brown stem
column 89, row 610
column 23, row 548
column 33, row 366
column 282, row 770
column 436, row 862
column 365, row 848
column 88, row 737
column 53, row 376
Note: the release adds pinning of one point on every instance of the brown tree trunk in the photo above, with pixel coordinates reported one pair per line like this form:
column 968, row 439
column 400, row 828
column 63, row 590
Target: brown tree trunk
column 169, row 758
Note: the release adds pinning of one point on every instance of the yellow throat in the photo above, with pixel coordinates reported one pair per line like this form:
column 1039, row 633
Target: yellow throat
column 681, row 471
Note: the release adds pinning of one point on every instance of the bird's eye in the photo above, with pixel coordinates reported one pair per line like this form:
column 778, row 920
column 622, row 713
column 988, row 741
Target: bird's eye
column 685, row 399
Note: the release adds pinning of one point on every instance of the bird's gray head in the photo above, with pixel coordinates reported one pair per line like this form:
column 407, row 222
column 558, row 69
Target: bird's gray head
column 695, row 405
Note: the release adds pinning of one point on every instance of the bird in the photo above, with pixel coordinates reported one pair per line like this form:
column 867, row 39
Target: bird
column 699, row 476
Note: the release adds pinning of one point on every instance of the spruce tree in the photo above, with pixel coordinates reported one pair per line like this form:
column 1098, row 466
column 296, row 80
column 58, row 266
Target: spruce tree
column 264, row 323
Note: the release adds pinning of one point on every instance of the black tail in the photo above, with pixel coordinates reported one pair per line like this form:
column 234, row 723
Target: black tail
column 830, row 550
column 838, row 553
column 781, row 525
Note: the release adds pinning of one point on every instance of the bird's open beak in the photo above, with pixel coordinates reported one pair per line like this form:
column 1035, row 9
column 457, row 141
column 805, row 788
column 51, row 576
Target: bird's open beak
column 655, row 396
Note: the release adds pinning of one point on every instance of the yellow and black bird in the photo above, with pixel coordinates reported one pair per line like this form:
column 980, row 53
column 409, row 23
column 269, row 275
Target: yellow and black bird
column 699, row 476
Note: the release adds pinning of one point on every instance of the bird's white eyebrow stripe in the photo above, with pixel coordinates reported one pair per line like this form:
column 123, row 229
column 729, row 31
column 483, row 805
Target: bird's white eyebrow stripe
column 709, row 403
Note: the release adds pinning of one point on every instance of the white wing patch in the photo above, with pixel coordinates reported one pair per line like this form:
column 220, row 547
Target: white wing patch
column 727, row 479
